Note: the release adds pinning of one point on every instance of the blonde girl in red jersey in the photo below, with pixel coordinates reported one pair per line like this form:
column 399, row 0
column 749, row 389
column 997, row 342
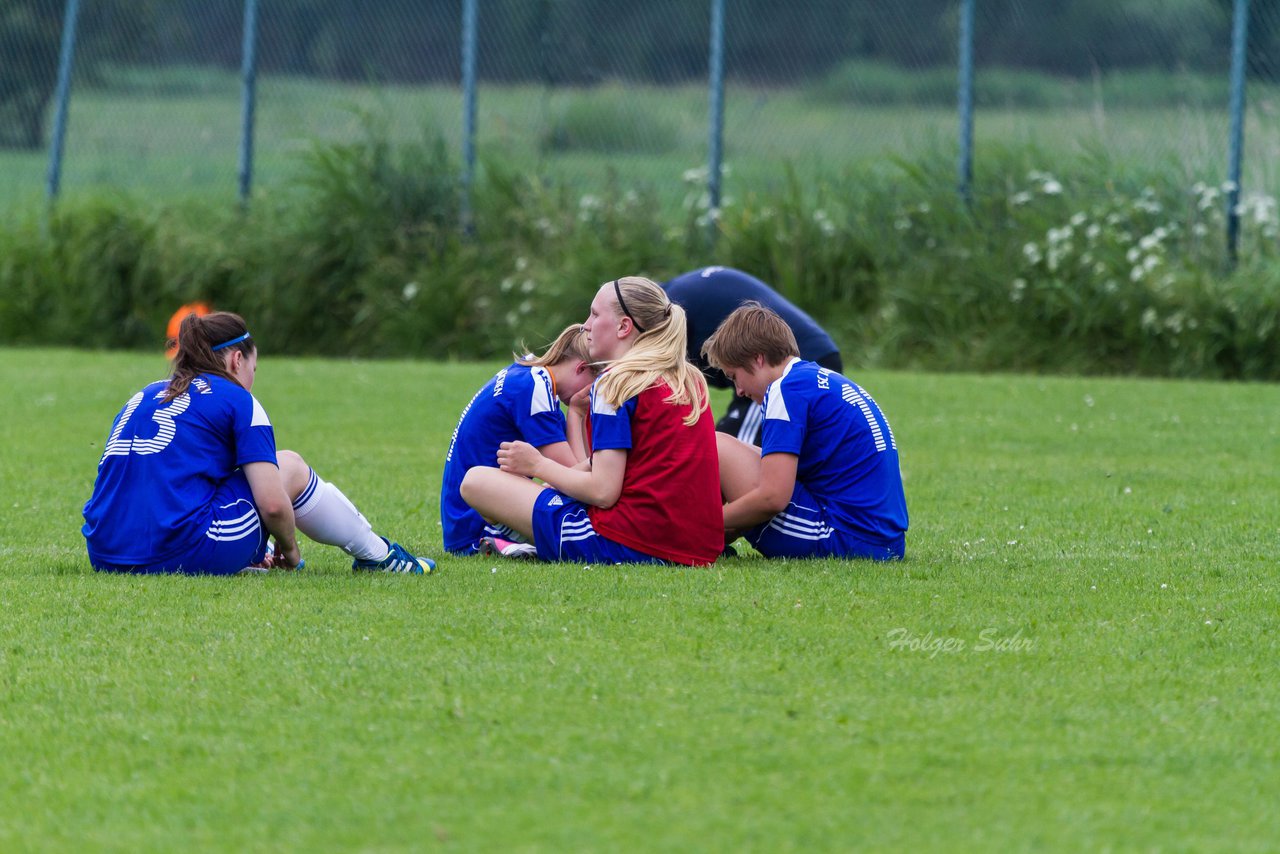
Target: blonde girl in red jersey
column 649, row 492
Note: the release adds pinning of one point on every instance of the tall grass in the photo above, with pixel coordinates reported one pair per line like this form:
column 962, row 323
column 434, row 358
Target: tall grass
column 1058, row 264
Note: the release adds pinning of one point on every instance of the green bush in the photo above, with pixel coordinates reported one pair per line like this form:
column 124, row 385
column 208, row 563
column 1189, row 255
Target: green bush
column 368, row 255
column 882, row 84
column 606, row 120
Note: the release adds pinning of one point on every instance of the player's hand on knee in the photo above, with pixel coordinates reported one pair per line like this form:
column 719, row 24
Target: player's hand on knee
column 518, row 458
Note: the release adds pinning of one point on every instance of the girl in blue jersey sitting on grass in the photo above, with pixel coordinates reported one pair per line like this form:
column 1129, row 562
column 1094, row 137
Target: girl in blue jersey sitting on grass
column 191, row 482
column 521, row 402
column 826, row 481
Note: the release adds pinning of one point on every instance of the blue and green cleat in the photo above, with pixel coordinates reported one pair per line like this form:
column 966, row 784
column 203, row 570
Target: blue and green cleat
column 397, row 560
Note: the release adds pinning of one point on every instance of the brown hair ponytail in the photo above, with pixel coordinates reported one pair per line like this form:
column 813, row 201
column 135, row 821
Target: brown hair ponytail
column 202, row 342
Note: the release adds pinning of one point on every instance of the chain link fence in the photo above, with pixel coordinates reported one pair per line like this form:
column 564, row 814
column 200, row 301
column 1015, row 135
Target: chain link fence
column 619, row 93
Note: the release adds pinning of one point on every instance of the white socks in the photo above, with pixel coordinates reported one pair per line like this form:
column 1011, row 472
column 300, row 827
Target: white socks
column 327, row 516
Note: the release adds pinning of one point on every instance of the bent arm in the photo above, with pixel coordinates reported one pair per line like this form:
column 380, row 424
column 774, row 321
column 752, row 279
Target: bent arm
column 597, row 481
column 561, row 452
column 274, row 507
column 599, row 484
column 770, row 496
column 575, row 429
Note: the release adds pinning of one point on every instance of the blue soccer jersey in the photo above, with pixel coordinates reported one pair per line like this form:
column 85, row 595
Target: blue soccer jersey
column 162, row 463
column 848, row 459
column 518, row 404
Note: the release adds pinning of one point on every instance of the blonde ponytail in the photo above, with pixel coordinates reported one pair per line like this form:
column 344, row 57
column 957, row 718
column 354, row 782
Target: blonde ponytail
column 658, row 352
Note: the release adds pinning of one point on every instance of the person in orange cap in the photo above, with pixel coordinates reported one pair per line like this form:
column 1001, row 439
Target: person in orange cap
column 171, row 333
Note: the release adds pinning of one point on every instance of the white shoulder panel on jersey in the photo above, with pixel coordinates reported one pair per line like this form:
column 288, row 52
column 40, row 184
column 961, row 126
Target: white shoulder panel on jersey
column 260, row 418
column 602, row 406
column 775, row 406
column 540, row 400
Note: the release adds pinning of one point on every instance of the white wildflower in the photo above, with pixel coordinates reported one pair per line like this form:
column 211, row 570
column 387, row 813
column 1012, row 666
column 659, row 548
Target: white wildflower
column 1059, row 235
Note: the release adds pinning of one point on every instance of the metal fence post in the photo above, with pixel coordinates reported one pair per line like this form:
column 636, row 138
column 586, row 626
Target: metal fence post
column 965, row 165
column 716, row 142
column 62, row 97
column 1239, row 44
column 248, row 75
column 469, row 35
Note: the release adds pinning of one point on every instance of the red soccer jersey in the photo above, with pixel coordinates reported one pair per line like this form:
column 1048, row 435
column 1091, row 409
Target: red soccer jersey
column 670, row 503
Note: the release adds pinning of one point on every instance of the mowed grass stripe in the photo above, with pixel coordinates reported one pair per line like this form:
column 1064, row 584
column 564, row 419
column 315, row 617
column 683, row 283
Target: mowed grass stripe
column 1078, row 652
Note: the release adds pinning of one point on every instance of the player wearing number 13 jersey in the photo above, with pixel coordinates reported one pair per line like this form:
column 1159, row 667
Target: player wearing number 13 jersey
column 163, row 464
column 190, row 480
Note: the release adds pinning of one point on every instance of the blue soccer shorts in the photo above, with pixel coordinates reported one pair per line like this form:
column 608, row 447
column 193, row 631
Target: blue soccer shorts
column 231, row 536
column 562, row 531
column 802, row 530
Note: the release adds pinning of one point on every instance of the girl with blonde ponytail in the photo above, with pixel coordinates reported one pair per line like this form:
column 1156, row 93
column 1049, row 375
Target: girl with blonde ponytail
column 649, row 491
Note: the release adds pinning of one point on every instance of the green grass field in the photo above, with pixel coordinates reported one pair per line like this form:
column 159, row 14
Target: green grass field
column 177, row 132
column 1078, row 653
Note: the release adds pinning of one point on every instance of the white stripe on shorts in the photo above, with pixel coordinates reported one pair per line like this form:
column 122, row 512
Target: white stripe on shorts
column 572, row 530
column 225, row 530
column 798, row 528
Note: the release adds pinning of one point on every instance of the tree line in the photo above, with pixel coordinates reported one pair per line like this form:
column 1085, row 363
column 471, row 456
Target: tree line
column 581, row 42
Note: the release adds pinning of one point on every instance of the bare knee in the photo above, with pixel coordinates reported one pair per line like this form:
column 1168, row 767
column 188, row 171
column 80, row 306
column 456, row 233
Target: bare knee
column 294, row 471
column 739, row 466
column 473, row 481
